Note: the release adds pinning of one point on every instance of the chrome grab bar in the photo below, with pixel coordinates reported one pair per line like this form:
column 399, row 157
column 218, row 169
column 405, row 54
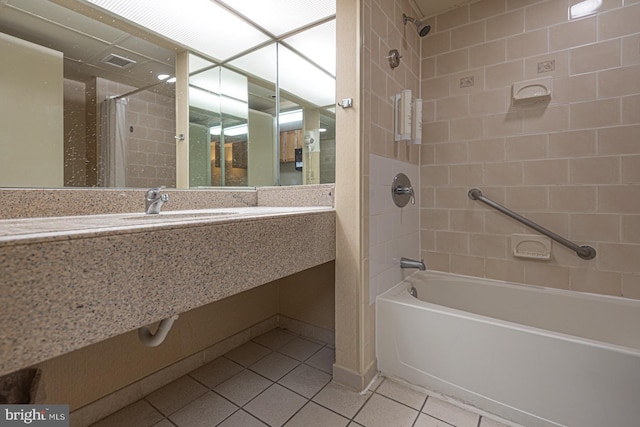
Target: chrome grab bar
column 584, row 251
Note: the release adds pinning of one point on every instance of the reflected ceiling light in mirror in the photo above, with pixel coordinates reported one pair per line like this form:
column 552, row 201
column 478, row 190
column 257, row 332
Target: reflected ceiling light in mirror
column 291, row 14
column 163, row 76
column 318, row 44
column 189, row 23
column 230, row 131
column 290, row 117
column 301, row 78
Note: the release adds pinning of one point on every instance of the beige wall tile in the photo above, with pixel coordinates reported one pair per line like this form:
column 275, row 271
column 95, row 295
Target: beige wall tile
column 488, row 245
column 527, row 44
column 467, row 82
column 452, row 107
column 466, row 220
column 452, row 62
column 486, row 9
column 452, row 242
column 631, row 286
column 618, row 257
column 505, row 25
column 526, row 199
column 504, row 173
column 575, row 88
column 551, row 119
column 467, row 265
column 516, row 4
column 597, row 282
column 630, row 51
column 595, row 57
column 498, row 223
column 579, row 143
column 619, row 140
column 631, row 170
column 572, row 199
column 572, row 34
column 434, row 219
column 436, row 43
column 489, row 150
column 467, row 35
column 503, row 75
column 437, row 261
column 434, row 175
column 526, row 147
column 428, row 67
column 621, row 199
column 619, row 82
column 545, row 14
column 536, row 66
column 435, row 132
column 469, row 175
column 619, row 22
column 489, row 102
column 551, row 172
column 595, row 114
column 547, row 275
column 505, row 270
column 503, row 124
column 451, row 198
column 427, row 240
column 631, row 228
column 595, row 170
column 451, row 153
column 487, row 53
column 556, row 221
column 435, row 88
column 453, row 18
column 595, row 227
column 631, row 109
column 466, row 129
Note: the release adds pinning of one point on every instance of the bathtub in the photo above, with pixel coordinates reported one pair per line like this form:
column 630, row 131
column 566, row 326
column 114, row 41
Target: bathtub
column 533, row 355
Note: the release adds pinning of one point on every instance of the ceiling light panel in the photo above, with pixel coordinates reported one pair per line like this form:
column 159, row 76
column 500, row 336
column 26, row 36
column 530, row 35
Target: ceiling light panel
column 260, row 63
column 283, row 16
column 200, row 25
column 318, row 44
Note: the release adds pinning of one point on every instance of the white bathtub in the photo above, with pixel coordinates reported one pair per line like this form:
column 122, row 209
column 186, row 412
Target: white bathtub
column 533, row 355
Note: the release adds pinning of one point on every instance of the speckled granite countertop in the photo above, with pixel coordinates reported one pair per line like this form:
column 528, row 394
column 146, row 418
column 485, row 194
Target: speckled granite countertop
column 68, row 282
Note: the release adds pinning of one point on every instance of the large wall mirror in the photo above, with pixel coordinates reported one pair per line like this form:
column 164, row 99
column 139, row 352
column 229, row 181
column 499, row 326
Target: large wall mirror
column 88, row 97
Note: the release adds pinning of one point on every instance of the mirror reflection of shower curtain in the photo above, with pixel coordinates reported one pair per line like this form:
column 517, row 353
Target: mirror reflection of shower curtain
column 113, row 138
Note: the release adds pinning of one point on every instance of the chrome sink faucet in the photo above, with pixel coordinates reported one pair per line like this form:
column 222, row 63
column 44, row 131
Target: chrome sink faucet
column 412, row 263
column 154, row 200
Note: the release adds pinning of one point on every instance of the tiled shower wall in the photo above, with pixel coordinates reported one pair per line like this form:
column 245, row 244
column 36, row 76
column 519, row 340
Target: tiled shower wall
column 388, row 231
column 572, row 165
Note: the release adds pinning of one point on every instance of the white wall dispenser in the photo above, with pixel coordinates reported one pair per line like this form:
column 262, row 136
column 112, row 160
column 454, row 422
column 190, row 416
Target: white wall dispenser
column 416, row 131
column 402, row 118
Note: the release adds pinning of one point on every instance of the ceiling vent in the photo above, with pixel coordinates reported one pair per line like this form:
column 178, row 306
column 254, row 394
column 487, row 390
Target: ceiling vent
column 118, row 61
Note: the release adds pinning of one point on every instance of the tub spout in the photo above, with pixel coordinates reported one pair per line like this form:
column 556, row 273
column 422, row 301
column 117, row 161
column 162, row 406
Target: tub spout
column 412, row 263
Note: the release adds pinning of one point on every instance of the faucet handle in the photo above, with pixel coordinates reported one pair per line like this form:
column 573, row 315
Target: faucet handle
column 153, row 193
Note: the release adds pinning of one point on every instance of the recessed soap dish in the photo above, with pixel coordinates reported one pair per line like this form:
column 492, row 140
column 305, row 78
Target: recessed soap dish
column 531, row 246
column 532, row 91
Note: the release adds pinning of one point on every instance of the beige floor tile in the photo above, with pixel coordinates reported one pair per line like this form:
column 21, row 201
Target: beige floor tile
column 243, row 387
column 140, row 414
column 340, row 399
column 164, row 423
column 300, row 349
column 425, row 420
column 452, row 414
column 175, row 395
column 314, row 415
column 207, row 410
column 248, row 353
column 274, row 366
column 216, row 372
column 402, row 393
column 323, row 360
column 274, row 339
column 275, row 405
column 380, row 411
column 305, row 380
column 241, row 419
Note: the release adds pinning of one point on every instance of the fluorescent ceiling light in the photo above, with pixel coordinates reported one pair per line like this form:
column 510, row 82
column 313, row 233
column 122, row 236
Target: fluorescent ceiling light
column 260, row 63
column 584, row 8
column 191, row 23
column 283, row 16
column 318, row 44
column 230, row 131
column 305, row 80
column 163, row 76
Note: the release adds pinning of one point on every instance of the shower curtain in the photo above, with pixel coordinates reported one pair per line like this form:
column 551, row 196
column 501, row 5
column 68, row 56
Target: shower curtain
column 113, row 150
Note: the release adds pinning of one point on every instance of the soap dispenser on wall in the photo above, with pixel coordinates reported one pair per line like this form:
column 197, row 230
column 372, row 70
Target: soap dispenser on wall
column 402, row 117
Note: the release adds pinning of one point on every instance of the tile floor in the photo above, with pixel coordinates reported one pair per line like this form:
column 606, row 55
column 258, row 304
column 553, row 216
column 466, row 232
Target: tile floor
column 282, row 379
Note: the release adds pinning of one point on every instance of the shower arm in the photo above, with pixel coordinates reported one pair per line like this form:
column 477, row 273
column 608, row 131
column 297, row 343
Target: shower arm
column 584, row 251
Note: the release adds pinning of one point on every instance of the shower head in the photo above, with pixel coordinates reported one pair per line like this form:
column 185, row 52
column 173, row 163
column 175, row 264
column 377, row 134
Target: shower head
column 422, row 27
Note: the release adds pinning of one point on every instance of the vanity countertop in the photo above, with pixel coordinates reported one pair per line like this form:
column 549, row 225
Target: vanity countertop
column 68, row 282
